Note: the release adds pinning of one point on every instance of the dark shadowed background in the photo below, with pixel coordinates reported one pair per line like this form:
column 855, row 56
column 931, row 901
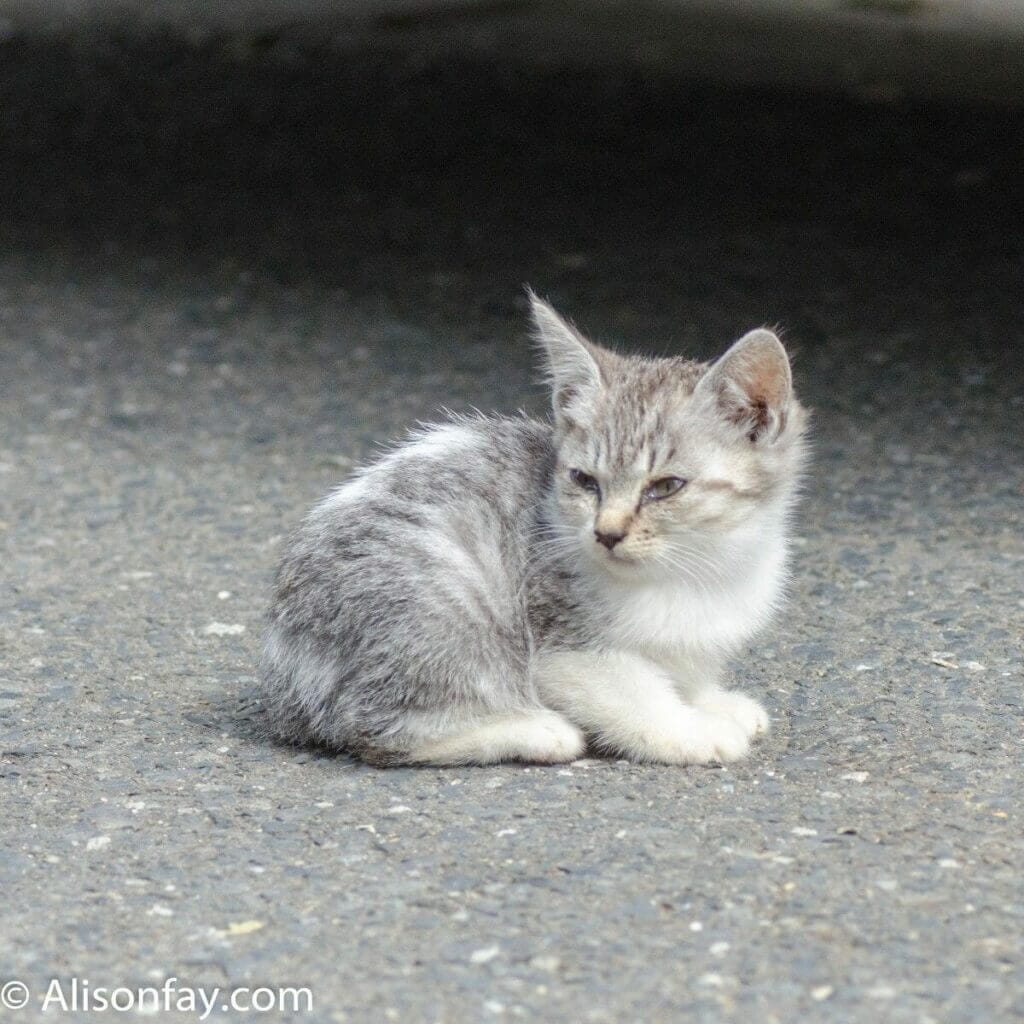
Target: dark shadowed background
column 237, row 254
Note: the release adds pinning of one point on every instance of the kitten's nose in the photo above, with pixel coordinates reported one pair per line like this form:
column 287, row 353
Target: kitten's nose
column 609, row 540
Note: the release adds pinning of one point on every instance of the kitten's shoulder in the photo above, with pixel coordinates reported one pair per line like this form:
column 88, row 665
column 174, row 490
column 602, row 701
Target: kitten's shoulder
column 514, row 435
column 506, row 439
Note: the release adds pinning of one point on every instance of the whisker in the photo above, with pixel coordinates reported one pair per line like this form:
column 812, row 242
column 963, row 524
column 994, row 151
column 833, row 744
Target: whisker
column 688, row 570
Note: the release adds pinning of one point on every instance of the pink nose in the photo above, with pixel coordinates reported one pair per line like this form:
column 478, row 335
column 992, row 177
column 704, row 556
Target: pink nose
column 609, row 540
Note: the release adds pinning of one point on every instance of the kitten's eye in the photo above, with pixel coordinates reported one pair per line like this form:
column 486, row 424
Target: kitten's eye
column 584, row 480
column 663, row 488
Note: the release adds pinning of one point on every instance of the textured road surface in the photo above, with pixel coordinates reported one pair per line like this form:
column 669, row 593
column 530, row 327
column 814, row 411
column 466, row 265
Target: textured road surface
column 227, row 272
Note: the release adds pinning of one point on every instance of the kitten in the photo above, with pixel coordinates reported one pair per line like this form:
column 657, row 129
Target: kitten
column 503, row 589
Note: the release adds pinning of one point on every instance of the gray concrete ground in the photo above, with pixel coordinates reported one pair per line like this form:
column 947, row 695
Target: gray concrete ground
column 228, row 272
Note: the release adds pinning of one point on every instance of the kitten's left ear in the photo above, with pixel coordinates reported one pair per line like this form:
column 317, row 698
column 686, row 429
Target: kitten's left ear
column 753, row 385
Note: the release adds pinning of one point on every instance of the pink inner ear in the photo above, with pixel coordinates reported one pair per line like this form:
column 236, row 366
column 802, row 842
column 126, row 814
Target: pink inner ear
column 761, row 370
column 753, row 384
column 765, row 379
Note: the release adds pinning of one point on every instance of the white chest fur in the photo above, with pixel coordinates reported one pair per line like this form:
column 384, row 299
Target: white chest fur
column 714, row 617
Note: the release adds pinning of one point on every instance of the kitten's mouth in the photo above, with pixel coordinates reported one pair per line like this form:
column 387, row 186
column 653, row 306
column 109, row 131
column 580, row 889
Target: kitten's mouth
column 619, row 559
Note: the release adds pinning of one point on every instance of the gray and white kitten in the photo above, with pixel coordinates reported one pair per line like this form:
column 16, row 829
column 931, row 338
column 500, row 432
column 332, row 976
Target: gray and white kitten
column 503, row 589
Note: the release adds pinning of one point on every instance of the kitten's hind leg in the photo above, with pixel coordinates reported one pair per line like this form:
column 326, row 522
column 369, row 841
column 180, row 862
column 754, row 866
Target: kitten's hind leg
column 536, row 737
column 628, row 705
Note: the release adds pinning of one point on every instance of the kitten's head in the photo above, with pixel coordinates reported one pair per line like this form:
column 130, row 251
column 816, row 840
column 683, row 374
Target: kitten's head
column 664, row 462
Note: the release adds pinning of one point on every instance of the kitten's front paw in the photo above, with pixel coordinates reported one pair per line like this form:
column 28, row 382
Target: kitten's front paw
column 746, row 712
column 728, row 740
column 697, row 737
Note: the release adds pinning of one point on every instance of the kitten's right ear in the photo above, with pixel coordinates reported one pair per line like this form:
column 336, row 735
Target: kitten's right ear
column 573, row 364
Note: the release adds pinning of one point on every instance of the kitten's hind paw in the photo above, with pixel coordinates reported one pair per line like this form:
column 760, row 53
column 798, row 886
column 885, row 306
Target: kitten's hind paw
column 535, row 737
column 547, row 738
column 746, row 712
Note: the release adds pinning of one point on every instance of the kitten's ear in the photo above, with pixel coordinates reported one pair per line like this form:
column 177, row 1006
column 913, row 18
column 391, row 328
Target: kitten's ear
column 753, row 386
column 573, row 364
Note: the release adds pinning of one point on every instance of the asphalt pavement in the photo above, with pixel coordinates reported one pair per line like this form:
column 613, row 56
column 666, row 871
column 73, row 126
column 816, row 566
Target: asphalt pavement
column 230, row 270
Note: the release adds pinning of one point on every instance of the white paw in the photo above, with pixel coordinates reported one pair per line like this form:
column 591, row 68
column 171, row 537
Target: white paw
column 694, row 737
column 547, row 738
column 725, row 738
column 743, row 710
